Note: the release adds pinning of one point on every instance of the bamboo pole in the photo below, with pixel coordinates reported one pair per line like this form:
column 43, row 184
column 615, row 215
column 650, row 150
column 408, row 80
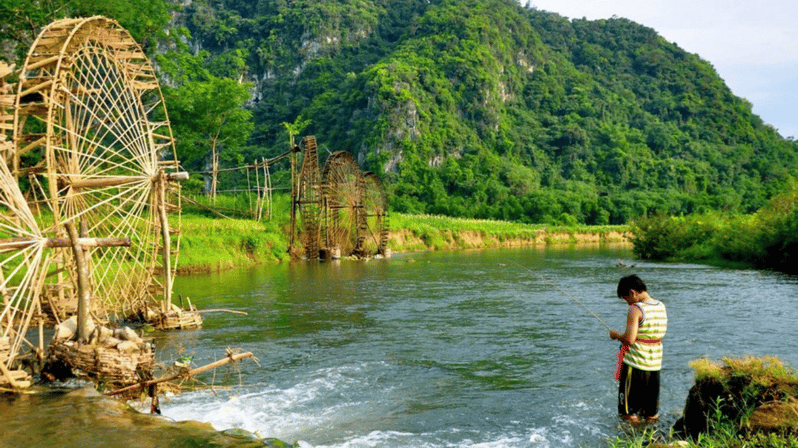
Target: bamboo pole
column 267, row 188
column 110, row 181
column 230, row 358
column 258, row 202
column 223, row 310
column 167, row 242
column 22, row 243
column 83, row 282
column 249, row 197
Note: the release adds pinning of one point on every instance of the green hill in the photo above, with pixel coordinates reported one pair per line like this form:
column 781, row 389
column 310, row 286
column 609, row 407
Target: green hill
column 479, row 108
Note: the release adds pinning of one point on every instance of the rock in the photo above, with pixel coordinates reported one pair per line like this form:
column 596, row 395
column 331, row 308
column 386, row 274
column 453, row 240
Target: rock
column 127, row 334
column 130, row 335
column 111, row 342
column 68, row 329
column 105, row 334
column 775, row 416
column 85, row 392
column 128, row 347
column 698, row 407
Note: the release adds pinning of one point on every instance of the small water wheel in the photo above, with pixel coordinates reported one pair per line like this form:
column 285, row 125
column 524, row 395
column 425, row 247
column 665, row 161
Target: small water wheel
column 373, row 234
column 342, row 206
column 308, row 198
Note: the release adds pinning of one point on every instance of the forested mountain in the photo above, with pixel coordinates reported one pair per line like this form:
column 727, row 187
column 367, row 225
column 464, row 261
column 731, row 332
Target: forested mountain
column 472, row 108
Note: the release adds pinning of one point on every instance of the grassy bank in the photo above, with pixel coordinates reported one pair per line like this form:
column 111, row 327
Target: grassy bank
column 209, row 244
column 413, row 233
column 212, row 243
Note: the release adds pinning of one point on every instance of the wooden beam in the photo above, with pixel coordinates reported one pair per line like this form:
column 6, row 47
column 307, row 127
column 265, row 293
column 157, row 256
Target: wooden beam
column 37, row 88
column 21, row 243
column 43, row 62
column 180, row 175
column 94, row 182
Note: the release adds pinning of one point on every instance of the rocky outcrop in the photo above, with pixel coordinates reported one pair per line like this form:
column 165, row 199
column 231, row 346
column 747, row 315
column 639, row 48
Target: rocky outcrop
column 759, row 395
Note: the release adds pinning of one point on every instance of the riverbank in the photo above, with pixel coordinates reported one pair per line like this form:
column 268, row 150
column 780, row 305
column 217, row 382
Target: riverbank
column 212, row 244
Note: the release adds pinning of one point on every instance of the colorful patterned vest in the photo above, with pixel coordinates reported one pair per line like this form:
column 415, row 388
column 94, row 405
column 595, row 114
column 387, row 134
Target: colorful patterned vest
column 646, row 352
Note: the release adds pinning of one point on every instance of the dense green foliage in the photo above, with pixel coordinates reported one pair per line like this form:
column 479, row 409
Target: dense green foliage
column 470, row 108
column 766, row 239
column 486, row 109
column 21, row 21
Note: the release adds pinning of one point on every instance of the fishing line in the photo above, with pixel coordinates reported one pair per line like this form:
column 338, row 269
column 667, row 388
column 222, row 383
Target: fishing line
column 545, row 280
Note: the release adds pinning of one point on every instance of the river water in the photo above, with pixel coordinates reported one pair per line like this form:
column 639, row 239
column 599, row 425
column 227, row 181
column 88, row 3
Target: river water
column 466, row 349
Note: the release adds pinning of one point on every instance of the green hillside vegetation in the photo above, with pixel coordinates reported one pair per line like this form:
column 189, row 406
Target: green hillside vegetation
column 481, row 109
column 487, row 109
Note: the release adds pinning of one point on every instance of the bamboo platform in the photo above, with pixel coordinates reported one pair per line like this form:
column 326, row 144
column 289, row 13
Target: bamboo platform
column 178, row 320
column 117, row 357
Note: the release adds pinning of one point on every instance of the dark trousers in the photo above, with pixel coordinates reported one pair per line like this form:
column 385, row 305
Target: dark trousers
column 638, row 392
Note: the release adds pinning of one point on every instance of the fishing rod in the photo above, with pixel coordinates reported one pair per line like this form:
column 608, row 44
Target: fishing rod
column 564, row 292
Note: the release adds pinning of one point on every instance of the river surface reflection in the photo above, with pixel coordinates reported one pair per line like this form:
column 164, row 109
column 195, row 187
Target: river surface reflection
column 465, row 349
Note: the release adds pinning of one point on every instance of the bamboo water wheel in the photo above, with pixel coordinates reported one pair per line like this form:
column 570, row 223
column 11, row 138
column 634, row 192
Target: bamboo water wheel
column 343, row 210
column 308, row 198
column 373, row 231
column 343, row 186
column 93, row 139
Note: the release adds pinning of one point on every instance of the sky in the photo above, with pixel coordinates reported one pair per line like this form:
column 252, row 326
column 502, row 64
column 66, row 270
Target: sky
column 752, row 44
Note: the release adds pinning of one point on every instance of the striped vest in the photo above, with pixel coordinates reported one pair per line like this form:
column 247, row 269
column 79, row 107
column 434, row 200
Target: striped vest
column 646, row 352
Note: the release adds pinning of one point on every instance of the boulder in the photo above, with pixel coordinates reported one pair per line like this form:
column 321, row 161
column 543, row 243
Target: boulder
column 68, row 329
column 128, row 347
column 775, row 416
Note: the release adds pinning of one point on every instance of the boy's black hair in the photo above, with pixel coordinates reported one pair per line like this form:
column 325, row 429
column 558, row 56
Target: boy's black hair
column 625, row 284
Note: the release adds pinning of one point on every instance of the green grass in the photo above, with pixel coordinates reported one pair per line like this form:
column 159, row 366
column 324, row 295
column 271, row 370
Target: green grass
column 210, row 244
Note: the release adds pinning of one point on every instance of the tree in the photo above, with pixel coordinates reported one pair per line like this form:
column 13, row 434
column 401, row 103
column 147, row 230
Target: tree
column 208, row 118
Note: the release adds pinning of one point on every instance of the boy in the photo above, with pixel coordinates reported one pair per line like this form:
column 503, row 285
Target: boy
column 646, row 324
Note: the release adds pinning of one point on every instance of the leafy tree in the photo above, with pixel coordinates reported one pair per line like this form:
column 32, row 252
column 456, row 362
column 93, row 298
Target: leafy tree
column 208, row 119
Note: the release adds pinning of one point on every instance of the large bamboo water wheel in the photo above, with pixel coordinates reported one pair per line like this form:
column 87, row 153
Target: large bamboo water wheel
column 93, row 139
column 91, row 234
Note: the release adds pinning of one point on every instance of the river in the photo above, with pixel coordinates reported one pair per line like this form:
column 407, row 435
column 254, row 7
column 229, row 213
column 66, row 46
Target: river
column 451, row 349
